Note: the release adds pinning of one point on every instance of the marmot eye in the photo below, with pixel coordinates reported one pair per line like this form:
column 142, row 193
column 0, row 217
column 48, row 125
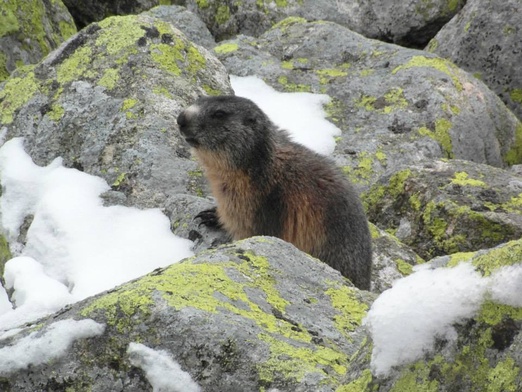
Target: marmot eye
column 219, row 113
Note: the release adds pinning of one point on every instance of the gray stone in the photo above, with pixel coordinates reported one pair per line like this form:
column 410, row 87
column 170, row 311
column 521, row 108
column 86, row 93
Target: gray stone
column 453, row 206
column 485, row 39
column 107, row 102
column 187, row 22
column 29, row 30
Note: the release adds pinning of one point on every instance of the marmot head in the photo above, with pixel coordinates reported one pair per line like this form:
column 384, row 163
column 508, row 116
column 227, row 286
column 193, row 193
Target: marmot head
column 226, row 123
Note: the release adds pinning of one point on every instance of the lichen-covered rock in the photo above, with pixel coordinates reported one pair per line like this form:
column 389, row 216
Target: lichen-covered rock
column 440, row 208
column 395, row 106
column 29, row 30
column 411, row 24
column 187, row 22
column 391, row 260
column 486, row 355
column 251, row 316
column 86, row 12
column 107, row 102
column 485, row 39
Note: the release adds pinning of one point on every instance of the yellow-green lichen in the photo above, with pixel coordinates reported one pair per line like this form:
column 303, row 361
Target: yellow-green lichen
column 222, row 14
column 160, row 90
column 119, row 36
column 15, row 93
column 8, row 21
column 211, row 91
column 210, row 288
column 504, row 255
column 441, row 135
column 5, row 253
column 392, row 100
column 226, row 48
column 462, row 179
column 457, row 258
column 432, row 45
column 290, row 21
column 514, row 155
column 127, row 105
column 166, row 56
column 292, row 87
column 119, row 180
column 439, row 64
column 295, row 362
column 362, row 384
column 109, row 79
column 202, row 3
column 403, row 267
column 56, row 113
column 326, row 75
column 75, row 66
column 351, row 309
column 493, row 313
column 516, row 95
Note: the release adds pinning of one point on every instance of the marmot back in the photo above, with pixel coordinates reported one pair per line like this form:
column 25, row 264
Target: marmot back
column 265, row 184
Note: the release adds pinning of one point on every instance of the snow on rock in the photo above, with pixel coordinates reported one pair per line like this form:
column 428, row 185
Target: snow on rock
column 75, row 246
column 301, row 114
column 163, row 372
column 43, row 346
column 406, row 320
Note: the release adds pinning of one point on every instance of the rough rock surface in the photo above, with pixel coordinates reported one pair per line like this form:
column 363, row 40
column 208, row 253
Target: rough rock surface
column 188, row 22
column 485, row 39
column 411, row 24
column 395, row 106
column 261, row 315
column 107, row 102
column 256, row 314
column 441, row 207
column 87, row 12
column 29, row 30
column 487, row 353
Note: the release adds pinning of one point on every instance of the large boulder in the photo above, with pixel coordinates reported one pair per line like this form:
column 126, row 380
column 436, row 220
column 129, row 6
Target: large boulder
column 107, row 101
column 411, row 24
column 485, row 39
column 444, row 207
column 395, row 106
column 258, row 314
column 29, row 30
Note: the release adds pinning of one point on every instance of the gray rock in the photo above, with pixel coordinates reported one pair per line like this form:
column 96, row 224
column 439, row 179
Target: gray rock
column 187, row 22
column 395, row 106
column 29, row 30
column 87, row 12
column 258, row 315
column 453, row 206
column 253, row 315
column 411, row 24
column 485, row 39
column 392, row 260
column 107, row 101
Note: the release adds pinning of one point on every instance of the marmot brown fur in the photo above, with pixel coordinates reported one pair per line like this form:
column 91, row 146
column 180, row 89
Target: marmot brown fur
column 265, row 184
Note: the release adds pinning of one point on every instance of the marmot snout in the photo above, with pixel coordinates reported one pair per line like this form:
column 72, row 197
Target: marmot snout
column 265, row 184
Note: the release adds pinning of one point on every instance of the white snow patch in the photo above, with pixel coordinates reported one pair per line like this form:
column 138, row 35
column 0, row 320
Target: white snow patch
column 405, row 320
column 301, row 114
column 163, row 372
column 40, row 347
column 75, row 246
column 506, row 285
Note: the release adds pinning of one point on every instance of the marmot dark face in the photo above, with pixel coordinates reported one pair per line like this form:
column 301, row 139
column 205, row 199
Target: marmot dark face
column 223, row 123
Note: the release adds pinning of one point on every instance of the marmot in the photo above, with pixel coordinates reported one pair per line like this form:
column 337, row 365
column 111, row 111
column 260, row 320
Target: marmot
column 265, row 184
